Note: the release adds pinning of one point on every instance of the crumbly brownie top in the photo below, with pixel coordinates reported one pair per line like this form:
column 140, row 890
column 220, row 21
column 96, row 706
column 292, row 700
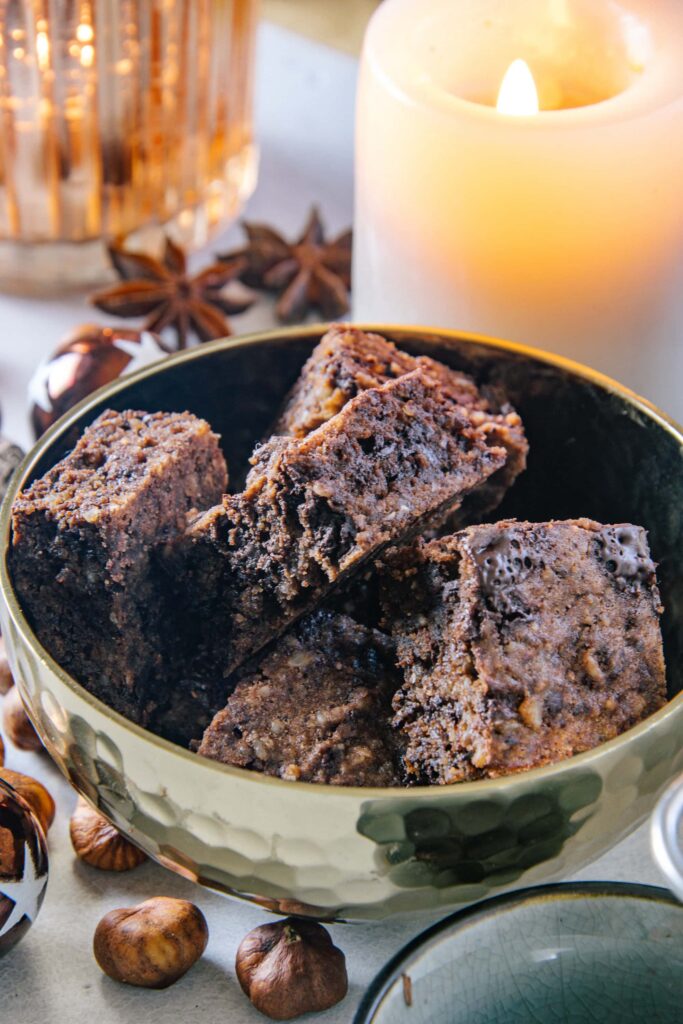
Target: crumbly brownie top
column 114, row 455
column 84, row 544
column 314, row 708
column 314, row 509
column 522, row 644
column 391, row 456
column 348, row 361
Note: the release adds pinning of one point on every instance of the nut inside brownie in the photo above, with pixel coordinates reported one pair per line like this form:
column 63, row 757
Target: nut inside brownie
column 522, row 644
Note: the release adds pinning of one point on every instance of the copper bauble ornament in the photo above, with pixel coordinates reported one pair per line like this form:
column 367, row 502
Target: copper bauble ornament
column 23, row 867
column 87, row 358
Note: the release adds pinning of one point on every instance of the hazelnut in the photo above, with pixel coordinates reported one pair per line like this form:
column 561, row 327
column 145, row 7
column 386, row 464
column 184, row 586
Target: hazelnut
column 17, row 723
column 6, row 677
column 34, row 793
column 152, row 944
column 99, row 843
column 2, row 752
column 291, row 967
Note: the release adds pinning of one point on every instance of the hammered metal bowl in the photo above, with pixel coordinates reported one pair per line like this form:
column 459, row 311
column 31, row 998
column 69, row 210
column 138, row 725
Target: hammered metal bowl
column 333, row 852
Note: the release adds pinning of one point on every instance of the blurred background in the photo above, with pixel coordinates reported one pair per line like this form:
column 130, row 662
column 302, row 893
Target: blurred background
column 338, row 23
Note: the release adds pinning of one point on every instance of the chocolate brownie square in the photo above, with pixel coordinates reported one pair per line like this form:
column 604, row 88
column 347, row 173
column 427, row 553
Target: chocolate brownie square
column 314, row 708
column 522, row 644
column 315, row 509
column 83, row 538
column 348, row 361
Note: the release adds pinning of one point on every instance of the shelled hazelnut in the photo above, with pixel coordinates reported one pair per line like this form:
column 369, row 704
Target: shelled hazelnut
column 17, row 724
column 34, row 793
column 152, row 944
column 6, row 677
column 291, row 967
column 97, row 842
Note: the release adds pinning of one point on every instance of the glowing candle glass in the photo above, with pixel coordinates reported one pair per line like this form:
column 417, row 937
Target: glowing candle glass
column 118, row 118
column 561, row 228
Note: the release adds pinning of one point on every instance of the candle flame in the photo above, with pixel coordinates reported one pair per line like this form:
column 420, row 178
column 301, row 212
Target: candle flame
column 518, row 96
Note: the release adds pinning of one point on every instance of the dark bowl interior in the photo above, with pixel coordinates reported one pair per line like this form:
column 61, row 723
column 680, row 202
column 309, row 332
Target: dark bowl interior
column 595, row 451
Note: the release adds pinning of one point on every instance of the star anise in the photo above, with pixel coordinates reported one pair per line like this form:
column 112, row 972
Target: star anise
column 162, row 291
column 309, row 273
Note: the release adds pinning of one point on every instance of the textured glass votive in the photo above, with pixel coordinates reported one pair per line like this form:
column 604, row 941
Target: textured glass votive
column 117, row 118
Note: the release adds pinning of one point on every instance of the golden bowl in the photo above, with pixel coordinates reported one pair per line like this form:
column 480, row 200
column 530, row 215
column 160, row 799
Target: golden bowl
column 597, row 450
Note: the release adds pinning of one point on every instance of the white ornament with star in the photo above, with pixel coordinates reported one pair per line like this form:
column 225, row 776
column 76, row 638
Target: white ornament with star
column 141, row 352
column 26, row 894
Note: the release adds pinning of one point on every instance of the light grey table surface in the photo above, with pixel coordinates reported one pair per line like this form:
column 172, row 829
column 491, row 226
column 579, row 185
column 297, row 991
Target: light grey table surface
column 304, row 113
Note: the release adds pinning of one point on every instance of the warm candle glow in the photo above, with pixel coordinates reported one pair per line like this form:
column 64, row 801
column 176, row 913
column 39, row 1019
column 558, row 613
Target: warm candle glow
column 562, row 228
column 518, row 96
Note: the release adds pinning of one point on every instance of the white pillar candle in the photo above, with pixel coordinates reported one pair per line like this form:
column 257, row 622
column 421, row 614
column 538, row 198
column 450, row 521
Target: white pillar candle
column 562, row 228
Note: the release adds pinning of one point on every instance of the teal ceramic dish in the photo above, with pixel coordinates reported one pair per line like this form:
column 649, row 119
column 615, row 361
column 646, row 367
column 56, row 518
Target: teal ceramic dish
column 599, row 953
column 667, row 836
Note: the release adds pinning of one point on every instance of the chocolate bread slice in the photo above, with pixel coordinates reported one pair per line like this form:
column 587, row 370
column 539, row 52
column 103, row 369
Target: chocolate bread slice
column 522, row 644
column 315, row 509
column 348, row 361
column 82, row 543
column 315, row 707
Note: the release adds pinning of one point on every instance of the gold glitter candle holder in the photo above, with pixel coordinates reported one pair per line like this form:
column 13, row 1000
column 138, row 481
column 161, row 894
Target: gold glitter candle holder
column 119, row 118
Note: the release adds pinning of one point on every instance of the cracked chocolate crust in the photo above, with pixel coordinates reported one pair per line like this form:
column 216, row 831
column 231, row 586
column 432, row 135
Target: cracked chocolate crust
column 314, row 510
column 348, row 361
column 522, row 644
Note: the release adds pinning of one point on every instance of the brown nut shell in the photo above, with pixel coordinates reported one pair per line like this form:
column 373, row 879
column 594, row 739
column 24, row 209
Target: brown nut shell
column 99, row 843
column 291, row 967
column 6, row 677
column 152, row 944
column 34, row 793
column 17, row 724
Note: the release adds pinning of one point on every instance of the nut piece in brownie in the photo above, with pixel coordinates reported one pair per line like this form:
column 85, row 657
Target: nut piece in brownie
column 82, row 538
column 522, row 644
column 315, row 707
column 348, row 361
column 316, row 508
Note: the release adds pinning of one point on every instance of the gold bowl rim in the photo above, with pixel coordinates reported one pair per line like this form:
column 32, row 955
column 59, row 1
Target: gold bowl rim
column 641, row 407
